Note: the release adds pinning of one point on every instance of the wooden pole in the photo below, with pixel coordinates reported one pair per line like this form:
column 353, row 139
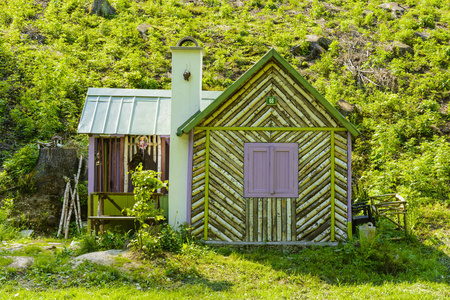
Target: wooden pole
column 78, row 194
column 205, row 234
column 74, row 193
column 63, row 212
column 332, row 188
column 69, row 215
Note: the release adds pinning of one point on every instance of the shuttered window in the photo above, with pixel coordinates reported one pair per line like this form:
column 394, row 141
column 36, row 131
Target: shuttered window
column 271, row 170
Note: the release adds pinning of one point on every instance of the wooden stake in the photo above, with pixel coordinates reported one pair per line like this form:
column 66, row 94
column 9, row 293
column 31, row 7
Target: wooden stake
column 66, row 228
column 63, row 212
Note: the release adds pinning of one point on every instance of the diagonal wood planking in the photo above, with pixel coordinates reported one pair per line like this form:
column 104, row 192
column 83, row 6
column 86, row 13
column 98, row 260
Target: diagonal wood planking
column 235, row 218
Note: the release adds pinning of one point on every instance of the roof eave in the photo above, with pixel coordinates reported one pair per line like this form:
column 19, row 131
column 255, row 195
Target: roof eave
column 347, row 124
column 187, row 126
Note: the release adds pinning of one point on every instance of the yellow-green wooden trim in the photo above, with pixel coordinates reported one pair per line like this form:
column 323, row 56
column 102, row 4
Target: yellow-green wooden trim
column 275, row 128
column 199, row 116
column 205, row 229
column 349, row 230
column 332, row 187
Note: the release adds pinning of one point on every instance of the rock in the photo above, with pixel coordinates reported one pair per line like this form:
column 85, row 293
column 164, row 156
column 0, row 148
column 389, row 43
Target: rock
column 102, row 8
column 320, row 40
column 237, row 3
column 52, row 220
column 105, row 258
column 53, row 164
column 424, row 36
column 20, row 262
column 316, row 52
column 40, row 211
column 395, row 8
column 13, row 248
column 74, row 245
column 27, row 233
column 143, row 29
column 317, row 45
column 400, row 49
column 345, row 108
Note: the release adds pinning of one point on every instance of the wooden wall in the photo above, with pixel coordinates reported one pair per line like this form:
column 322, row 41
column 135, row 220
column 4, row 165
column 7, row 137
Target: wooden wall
column 319, row 214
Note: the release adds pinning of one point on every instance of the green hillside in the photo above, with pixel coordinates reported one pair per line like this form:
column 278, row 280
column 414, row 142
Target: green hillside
column 52, row 51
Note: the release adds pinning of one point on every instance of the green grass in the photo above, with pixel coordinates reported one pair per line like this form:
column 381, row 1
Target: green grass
column 414, row 268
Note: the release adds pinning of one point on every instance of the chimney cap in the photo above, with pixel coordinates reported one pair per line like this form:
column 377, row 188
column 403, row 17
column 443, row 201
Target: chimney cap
column 185, row 40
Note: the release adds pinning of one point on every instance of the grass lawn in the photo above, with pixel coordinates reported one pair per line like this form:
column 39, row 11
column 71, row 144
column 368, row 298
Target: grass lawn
column 414, row 268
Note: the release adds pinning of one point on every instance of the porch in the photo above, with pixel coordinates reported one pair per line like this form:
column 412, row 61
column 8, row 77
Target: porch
column 107, row 210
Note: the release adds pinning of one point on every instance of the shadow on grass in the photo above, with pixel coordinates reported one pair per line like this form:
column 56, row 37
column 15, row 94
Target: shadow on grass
column 216, row 286
column 408, row 260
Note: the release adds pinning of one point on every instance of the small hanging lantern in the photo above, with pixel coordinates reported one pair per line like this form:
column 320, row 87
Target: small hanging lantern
column 143, row 142
column 186, row 75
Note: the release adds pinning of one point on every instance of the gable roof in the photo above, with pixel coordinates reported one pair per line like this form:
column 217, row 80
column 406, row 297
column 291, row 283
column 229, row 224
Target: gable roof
column 195, row 119
column 130, row 111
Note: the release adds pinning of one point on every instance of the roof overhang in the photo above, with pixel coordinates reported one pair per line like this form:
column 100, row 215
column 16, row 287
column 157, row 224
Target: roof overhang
column 130, row 111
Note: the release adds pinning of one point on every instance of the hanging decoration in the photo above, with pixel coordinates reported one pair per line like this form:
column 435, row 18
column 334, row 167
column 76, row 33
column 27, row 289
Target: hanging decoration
column 143, row 142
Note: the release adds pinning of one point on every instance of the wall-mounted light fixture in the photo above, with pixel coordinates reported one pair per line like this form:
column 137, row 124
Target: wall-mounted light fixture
column 186, row 75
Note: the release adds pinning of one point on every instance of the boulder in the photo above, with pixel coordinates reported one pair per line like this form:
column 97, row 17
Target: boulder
column 400, row 49
column 20, row 263
column 424, row 36
column 143, row 29
column 53, row 165
column 323, row 42
column 345, row 108
column 316, row 44
column 42, row 209
column 102, row 8
column 395, row 8
column 316, row 52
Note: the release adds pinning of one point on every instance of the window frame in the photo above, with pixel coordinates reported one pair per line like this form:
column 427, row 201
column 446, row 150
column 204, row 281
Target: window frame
column 269, row 170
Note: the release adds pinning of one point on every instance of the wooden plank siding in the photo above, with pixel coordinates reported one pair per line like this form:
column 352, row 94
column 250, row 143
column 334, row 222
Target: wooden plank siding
column 231, row 217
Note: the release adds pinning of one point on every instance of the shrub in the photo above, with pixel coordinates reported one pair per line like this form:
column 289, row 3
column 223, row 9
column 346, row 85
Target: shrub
column 22, row 162
column 7, row 229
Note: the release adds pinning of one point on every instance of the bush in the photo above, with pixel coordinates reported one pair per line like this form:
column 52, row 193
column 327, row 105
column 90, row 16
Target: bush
column 22, row 163
column 7, row 229
column 108, row 240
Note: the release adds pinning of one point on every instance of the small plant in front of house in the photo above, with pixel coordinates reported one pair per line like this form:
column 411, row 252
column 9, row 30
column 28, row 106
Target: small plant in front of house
column 108, row 240
column 146, row 182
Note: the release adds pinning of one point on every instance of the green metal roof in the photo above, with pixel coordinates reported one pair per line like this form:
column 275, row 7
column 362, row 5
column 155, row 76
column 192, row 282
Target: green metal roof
column 130, row 111
column 200, row 115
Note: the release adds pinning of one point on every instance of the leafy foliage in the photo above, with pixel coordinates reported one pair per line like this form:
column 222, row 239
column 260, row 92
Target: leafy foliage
column 7, row 229
column 108, row 240
column 52, row 51
column 145, row 182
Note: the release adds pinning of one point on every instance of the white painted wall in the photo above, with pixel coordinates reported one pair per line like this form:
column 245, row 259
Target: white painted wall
column 185, row 102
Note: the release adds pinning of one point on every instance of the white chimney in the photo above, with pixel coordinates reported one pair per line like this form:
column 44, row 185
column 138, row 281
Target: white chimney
column 187, row 62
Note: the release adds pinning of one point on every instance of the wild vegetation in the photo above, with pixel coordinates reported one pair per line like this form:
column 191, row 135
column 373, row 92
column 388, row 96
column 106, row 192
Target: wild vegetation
column 51, row 51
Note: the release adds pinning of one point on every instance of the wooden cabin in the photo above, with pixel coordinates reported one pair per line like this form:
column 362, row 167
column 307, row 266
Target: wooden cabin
column 270, row 161
column 267, row 161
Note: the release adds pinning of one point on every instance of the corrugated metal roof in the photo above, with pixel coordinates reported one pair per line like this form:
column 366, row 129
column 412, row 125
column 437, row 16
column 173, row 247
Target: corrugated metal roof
column 128, row 111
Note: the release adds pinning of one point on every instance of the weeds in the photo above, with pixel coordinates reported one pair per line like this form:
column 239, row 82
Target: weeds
column 7, row 229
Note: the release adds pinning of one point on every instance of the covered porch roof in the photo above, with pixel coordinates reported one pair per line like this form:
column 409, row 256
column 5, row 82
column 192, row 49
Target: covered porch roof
column 130, row 111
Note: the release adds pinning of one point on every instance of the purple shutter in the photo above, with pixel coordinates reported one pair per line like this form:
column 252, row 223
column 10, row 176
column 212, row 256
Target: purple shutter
column 256, row 170
column 285, row 170
column 271, row 170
